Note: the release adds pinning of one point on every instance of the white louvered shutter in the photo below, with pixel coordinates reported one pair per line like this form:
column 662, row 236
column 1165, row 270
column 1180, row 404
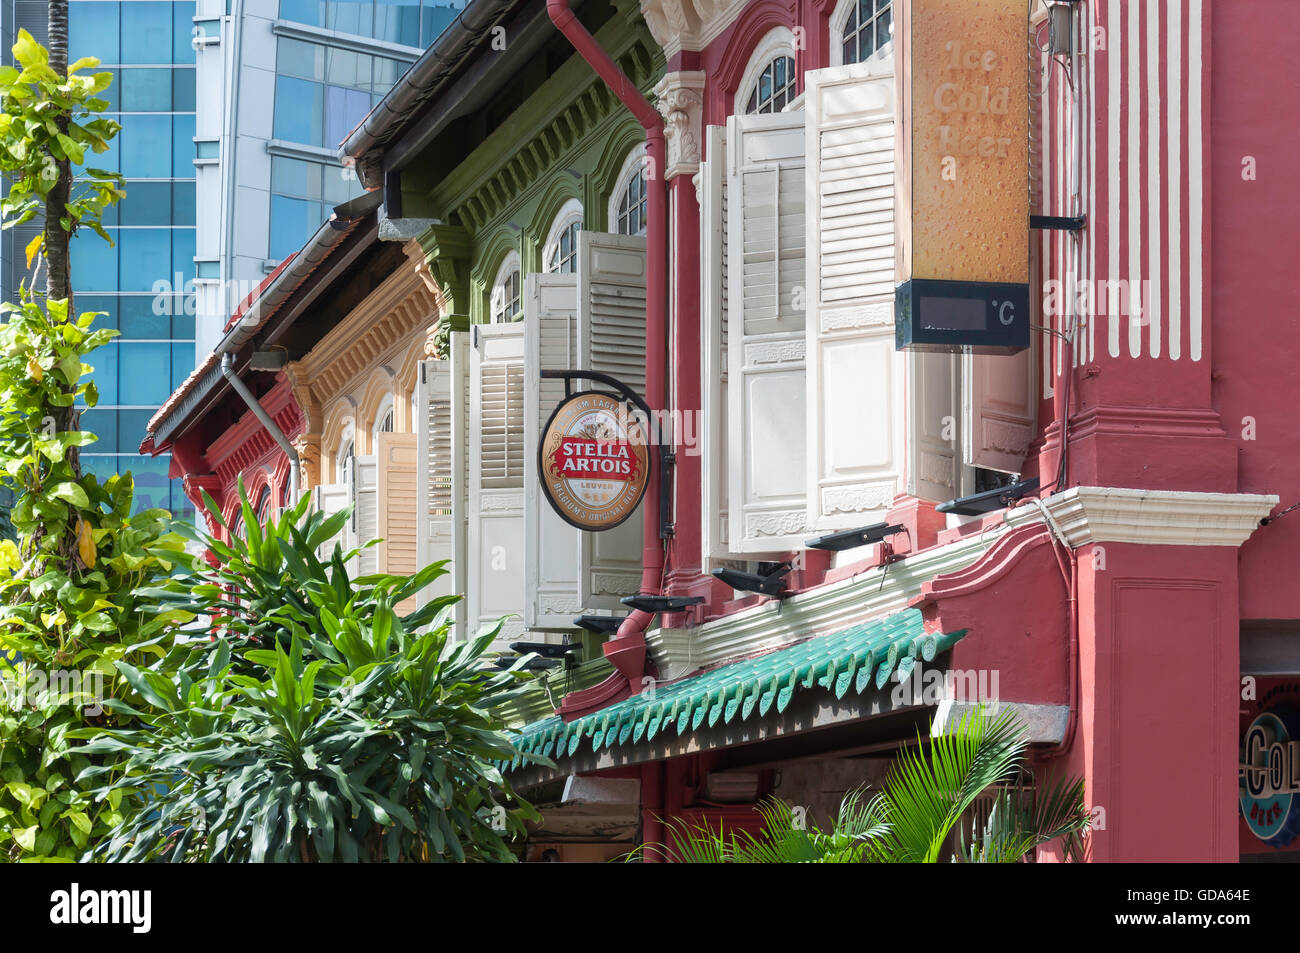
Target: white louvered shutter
column 766, row 275
column 551, row 558
column 880, row 422
column 435, row 483
column 365, row 513
column 497, row 459
column 712, row 431
column 611, row 340
column 461, row 375
column 328, row 499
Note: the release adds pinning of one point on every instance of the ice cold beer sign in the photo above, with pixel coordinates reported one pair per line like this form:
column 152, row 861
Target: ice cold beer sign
column 593, row 461
column 962, row 166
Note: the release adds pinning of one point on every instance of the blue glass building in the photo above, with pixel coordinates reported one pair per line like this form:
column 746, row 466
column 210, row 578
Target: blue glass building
column 147, row 45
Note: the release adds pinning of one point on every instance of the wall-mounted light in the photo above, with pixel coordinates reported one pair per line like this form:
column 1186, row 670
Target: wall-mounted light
column 989, row 501
column 599, row 624
column 771, row 583
column 853, row 538
column 661, row 603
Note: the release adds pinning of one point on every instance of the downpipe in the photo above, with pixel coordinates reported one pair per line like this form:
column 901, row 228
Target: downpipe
column 629, row 656
column 240, row 388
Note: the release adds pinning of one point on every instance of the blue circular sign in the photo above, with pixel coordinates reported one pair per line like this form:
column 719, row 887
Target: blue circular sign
column 1269, row 777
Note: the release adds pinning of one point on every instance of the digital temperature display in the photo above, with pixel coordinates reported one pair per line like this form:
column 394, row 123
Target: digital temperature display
column 981, row 317
column 953, row 314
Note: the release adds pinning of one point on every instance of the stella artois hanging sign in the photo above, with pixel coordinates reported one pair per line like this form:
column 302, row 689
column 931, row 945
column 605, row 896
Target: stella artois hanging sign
column 593, row 461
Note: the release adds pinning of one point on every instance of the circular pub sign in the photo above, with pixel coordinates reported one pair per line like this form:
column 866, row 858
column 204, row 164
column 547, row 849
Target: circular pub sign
column 1269, row 775
column 593, row 461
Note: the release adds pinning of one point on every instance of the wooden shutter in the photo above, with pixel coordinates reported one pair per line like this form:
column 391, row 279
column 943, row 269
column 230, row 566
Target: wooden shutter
column 551, row 558
column 438, row 491
column 397, row 502
column 611, row 339
column 365, row 513
column 496, row 480
column 329, row 499
column 999, row 412
column 766, row 392
column 713, row 345
column 398, row 506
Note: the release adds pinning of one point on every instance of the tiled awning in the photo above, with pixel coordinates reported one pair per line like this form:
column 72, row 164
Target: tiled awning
column 855, row 659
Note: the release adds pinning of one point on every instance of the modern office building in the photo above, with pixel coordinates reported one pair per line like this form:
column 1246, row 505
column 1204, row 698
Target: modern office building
column 281, row 83
column 147, row 44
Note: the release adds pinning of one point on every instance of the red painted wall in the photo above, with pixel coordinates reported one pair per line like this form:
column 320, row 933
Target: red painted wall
column 1256, row 249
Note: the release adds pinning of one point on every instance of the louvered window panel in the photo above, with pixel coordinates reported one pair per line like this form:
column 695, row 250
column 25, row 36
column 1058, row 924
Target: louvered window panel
column 502, row 441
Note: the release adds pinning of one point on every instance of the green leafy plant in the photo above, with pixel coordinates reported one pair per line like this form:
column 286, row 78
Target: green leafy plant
column 71, row 573
column 925, row 803
column 49, row 120
column 69, row 585
column 355, row 734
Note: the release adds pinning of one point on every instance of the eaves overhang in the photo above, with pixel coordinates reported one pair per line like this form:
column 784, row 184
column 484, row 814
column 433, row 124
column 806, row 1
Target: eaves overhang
column 352, row 225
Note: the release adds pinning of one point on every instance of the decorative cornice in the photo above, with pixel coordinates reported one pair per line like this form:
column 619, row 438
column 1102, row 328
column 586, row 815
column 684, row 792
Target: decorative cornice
column 679, row 25
column 680, row 98
column 497, row 176
column 1081, row 515
column 377, row 328
column 874, row 592
column 1098, row 514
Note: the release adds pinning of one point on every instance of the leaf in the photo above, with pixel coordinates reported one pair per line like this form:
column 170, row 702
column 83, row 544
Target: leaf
column 34, row 246
column 86, row 544
column 26, row 837
column 71, row 493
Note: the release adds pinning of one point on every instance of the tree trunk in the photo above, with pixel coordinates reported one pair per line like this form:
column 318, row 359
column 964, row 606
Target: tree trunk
column 58, row 283
column 58, row 274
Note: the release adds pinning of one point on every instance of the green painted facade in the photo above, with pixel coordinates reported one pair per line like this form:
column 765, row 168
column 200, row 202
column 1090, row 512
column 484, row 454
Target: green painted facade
column 567, row 140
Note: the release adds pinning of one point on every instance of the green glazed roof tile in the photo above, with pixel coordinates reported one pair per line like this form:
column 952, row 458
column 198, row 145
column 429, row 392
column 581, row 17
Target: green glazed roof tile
column 866, row 653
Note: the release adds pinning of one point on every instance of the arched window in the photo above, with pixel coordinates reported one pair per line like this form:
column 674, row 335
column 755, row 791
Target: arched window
column 284, row 489
column 859, row 29
column 507, row 294
column 263, row 506
column 384, row 418
column 343, row 458
column 770, row 82
column 627, row 203
column 560, row 253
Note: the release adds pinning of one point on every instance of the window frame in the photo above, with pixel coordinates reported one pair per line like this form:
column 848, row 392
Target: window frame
column 838, row 21
column 346, row 451
column 569, row 215
column 777, row 42
column 633, row 166
column 511, row 266
column 386, row 413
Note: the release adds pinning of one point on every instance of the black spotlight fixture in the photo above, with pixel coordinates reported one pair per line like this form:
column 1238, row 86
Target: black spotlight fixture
column 545, row 649
column 771, row 583
column 853, row 538
column 533, row 665
column 990, row 500
column 661, row 603
column 599, row 624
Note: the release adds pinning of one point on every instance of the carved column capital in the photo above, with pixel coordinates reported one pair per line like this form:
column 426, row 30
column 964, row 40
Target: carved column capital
column 680, row 98
column 309, row 458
